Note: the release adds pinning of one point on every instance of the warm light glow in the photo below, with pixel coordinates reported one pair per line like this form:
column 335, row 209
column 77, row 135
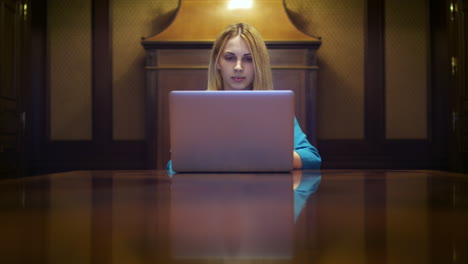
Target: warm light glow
column 235, row 4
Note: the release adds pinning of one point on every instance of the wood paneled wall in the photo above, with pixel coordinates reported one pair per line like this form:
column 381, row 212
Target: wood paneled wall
column 362, row 145
column 14, row 27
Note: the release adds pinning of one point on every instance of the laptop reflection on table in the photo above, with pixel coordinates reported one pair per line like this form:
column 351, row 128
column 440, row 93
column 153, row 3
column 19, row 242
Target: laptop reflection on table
column 232, row 216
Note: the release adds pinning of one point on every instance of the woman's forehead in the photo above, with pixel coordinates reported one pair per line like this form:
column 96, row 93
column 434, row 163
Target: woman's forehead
column 237, row 44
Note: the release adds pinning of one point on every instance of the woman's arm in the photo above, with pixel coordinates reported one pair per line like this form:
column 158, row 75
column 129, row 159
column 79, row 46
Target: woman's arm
column 308, row 154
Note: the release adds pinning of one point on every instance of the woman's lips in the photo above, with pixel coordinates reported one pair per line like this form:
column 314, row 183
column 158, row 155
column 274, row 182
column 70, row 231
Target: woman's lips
column 238, row 78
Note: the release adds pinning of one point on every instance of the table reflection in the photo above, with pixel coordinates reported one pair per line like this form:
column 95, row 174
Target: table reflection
column 237, row 216
column 301, row 217
column 305, row 184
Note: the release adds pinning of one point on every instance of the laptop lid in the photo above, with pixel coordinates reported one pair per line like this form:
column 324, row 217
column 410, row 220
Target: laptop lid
column 231, row 131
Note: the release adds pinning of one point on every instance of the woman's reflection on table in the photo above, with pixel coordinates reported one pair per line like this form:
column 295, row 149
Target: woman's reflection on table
column 237, row 216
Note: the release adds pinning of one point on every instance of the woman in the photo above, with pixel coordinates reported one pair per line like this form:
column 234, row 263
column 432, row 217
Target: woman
column 239, row 51
column 239, row 61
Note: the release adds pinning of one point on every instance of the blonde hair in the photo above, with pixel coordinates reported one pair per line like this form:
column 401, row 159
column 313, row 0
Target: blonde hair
column 261, row 60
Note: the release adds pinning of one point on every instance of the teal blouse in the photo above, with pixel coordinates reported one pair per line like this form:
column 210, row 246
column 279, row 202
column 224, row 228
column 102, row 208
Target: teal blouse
column 309, row 155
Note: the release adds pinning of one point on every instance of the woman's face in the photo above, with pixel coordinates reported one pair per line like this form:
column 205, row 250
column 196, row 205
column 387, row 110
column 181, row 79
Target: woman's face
column 236, row 65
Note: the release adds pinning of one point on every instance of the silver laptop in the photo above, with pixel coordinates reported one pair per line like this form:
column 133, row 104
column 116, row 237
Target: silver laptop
column 231, row 131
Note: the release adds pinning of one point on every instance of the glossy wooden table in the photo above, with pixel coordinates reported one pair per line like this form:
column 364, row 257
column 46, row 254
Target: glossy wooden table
column 303, row 217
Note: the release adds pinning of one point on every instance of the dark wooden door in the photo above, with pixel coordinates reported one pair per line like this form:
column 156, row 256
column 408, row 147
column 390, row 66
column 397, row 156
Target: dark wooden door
column 12, row 116
column 458, row 84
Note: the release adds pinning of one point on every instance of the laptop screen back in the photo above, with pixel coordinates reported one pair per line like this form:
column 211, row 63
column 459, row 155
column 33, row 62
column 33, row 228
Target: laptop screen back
column 231, row 131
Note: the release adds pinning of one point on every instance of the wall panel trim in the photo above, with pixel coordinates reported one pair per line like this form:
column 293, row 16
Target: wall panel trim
column 374, row 123
column 101, row 71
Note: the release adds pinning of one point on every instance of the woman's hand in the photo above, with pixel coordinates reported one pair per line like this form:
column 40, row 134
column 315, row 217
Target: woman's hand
column 297, row 162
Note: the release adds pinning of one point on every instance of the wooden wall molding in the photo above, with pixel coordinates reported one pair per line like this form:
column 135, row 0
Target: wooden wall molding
column 102, row 152
column 373, row 151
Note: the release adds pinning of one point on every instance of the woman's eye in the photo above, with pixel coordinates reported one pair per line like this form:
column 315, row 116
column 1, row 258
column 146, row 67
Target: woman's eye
column 229, row 58
column 248, row 59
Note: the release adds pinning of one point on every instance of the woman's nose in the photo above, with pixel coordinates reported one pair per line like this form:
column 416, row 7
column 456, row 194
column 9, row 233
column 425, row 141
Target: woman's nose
column 238, row 66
